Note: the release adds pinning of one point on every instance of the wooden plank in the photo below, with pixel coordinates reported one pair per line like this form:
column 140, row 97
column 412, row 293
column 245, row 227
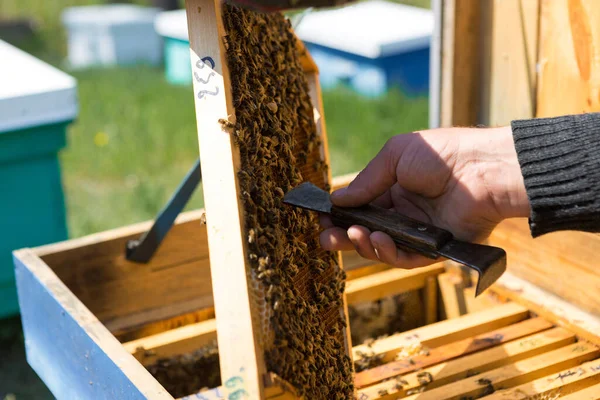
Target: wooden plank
column 480, row 303
column 65, row 342
column 514, row 374
column 430, row 300
column 568, row 381
column 448, row 331
column 460, row 75
column 389, row 282
column 550, row 306
column 450, row 351
column 123, row 294
column 513, row 60
column 590, row 393
column 450, row 292
column 463, row 367
column 188, row 337
column 220, row 162
column 569, row 65
column 563, row 263
column 177, row 341
column 447, row 60
column 363, row 271
column 131, row 333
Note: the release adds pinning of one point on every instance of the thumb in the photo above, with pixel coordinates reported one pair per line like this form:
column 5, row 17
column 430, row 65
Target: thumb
column 377, row 177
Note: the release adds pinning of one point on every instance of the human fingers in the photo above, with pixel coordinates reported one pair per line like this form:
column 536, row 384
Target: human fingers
column 377, row 177
column 360, row 238
column 388, row 253
column 335, row 239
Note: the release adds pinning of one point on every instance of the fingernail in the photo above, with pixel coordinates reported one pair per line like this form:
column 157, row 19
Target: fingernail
column 339, row 193
column 352, row 236
column 376, row 248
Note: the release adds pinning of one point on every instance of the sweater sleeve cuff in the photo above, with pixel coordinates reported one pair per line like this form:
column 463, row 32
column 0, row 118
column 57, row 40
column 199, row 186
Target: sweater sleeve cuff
column 560, row 163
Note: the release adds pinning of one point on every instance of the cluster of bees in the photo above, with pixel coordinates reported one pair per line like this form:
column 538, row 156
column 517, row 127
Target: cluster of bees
column 297, row 288
column 188, row 373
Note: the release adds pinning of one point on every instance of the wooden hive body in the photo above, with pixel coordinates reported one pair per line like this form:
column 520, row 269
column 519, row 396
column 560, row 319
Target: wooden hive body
column 95, row 324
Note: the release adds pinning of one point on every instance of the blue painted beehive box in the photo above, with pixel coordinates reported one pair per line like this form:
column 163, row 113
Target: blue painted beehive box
column 37, row 102
column 371, row 46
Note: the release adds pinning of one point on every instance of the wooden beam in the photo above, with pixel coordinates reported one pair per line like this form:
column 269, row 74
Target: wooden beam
column 450, row 351
column 477, row 363
column 480, row 303
column 445, row 332
column 450, row 286
column 389, row 282
column 567, row 381
column 514, row 374
column 590, row 393
column 430, row 301
column 126, row 295
column 460, row 74
column 550, row 306
column 563, row 263
column 368, row 287
column 242, row 357
column 569, row 78
column 176, row 341
column 513, row 59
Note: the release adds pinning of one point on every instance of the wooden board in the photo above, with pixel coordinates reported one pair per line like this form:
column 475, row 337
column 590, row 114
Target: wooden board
column 550, row 306
column 446, row 331
column 124, row 294
column 513, row 374
column 477, row 363
column 389, row 282
column 449, row 351
column 563, row 263
column 65, row 342
column 460, row 44
column 366, row 286
column 570, row 380
column 513, row 57
column 569, row 78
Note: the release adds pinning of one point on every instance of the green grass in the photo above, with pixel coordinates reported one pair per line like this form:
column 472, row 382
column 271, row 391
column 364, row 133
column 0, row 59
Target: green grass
column 357, row 126
column 133, row 142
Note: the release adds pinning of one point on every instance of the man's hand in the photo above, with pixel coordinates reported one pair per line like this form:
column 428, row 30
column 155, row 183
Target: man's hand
column 465, row 180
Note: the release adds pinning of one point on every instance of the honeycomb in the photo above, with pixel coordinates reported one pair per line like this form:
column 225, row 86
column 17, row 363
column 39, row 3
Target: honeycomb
column 296, row 286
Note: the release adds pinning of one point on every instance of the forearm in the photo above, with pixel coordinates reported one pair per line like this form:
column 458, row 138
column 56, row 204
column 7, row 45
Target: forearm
column 560, row 163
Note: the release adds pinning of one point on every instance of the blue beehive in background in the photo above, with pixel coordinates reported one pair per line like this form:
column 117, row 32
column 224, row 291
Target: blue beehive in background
column 371, row 46
column 37, row 102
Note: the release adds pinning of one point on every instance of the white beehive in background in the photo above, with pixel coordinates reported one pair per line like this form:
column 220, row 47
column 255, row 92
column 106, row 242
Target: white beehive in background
column 115, row 34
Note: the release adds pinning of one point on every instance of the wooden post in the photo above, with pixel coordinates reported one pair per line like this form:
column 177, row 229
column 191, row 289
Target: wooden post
column 240, row 357
column 430, row 296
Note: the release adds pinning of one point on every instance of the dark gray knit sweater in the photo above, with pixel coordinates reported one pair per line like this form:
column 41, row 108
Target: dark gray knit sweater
column 560, row 162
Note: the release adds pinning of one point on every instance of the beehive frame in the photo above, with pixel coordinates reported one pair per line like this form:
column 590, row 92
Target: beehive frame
column 240, row 309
